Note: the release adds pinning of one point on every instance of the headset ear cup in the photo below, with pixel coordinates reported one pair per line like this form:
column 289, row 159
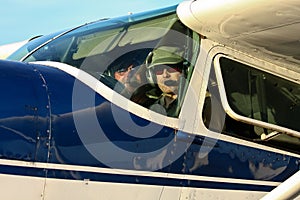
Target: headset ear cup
column 149, row 58
column 150, row 76
column 109, row 73
column 149, row 72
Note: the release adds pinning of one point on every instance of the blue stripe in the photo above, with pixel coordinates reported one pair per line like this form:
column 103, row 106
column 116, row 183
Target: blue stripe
column 128, row 179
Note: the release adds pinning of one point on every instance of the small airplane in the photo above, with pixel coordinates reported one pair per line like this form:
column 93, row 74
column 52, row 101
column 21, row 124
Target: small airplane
column 199, row 100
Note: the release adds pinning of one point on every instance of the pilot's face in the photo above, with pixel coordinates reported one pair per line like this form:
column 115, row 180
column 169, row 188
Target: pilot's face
column 130, row 77
column 123, row 74
column 168, row 78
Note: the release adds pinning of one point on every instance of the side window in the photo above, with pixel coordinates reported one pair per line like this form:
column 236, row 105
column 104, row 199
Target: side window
column 256, row 98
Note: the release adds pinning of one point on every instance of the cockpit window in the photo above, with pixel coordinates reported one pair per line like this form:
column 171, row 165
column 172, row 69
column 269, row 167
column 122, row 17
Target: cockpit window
column 252, row 104
column 261, row 95
column 149, row 60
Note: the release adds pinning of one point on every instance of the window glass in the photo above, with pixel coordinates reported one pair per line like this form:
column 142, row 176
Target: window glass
column 260, row 95
column 31, row 45
column 149, row 61
column 254, row 94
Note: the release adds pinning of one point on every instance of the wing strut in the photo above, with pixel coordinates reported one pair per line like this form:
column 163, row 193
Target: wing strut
column 289, row 189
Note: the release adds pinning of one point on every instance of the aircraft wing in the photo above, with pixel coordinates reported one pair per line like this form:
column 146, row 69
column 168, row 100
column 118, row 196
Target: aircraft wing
column 7, row 49
column 266, row 29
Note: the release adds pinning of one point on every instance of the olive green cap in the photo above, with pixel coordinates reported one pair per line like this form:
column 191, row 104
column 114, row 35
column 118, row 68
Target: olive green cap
column 167, row 55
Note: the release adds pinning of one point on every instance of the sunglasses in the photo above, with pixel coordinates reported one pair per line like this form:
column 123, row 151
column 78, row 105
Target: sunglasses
column 159, row 70
column 126, row 69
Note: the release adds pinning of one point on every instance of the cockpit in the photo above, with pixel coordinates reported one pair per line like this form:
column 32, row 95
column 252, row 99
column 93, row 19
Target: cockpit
column 119, row 52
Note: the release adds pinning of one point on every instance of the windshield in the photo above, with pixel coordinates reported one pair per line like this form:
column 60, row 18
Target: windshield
column 28, row 47
column 104, row 36
column 127, row 54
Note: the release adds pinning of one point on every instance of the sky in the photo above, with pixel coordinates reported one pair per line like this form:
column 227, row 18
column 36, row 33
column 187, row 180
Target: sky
column 23, row 19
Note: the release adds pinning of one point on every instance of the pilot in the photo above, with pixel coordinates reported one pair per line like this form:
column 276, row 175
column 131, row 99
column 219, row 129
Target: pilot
column 125, row 72
column 166, row 69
